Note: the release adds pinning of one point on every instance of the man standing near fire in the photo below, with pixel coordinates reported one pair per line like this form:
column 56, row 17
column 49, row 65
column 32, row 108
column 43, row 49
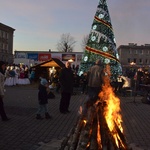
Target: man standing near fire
column 95, row 80
column 66, row 83
column 94, row 77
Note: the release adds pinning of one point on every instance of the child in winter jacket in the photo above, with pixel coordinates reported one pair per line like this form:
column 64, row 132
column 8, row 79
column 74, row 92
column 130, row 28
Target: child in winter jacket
column 43, row 99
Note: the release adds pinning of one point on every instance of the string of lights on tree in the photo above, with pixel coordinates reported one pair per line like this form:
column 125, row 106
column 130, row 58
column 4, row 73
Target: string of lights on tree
column 101, row 43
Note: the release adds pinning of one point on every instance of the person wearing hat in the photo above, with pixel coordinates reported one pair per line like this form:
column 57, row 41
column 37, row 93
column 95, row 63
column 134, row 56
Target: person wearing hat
column 43, row 99
column 2, row 80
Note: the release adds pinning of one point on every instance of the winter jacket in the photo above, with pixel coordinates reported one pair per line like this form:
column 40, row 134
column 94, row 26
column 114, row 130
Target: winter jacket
column 66, row 80
column 95, row 76
column 42, row 94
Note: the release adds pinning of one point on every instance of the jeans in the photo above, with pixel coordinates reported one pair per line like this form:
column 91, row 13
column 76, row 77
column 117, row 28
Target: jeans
column 42, row 109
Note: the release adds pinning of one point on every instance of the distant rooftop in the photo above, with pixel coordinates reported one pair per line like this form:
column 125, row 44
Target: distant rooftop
column 135, row 44
column 3, row 25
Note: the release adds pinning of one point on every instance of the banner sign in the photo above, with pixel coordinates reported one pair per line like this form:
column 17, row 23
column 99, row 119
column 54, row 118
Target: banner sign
column 44, row 57
column 66, row 57
column 33, row 56
column 21, row 55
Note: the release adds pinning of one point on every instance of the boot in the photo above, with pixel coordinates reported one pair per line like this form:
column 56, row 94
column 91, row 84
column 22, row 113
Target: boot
column 47, row 116
column 38, row 116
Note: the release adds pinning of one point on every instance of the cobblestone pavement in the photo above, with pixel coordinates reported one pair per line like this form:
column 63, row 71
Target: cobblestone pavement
column 136, row 120
column 24, row 132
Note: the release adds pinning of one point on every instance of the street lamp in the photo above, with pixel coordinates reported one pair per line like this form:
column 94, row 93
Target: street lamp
column 70, row 60
column 132, row 63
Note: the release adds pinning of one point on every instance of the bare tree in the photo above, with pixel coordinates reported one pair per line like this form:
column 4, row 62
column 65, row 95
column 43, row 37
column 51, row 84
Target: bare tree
column 66, row 43
column 84, row 41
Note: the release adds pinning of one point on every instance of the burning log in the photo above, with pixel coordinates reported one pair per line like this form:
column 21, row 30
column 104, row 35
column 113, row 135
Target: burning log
column 122, row 137
column 71, row 141
column 84, row 140
column 101, row 128
column 93, row 133
column 93, row 141
column 106, row 139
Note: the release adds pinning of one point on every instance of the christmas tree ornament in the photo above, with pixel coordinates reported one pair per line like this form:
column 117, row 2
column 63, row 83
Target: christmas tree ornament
column 101, row 43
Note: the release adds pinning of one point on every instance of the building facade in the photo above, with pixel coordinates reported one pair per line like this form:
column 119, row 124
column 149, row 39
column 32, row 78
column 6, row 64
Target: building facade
column 6, row 43
column 134, row 55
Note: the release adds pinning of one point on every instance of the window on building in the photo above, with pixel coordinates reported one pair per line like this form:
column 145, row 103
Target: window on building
column 134, row 60
column 146, row 61
column 130, row 51
column 4, row 34
column 135, row 52
column 7, row 36
column 1, row 45
column 129, row 60
column 140, row 51
column 141, row 61
column 1, row 33
column 147, row 52
column 6, row 47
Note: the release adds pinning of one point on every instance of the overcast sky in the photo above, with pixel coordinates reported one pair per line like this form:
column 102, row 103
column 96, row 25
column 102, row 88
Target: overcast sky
column 39, row 24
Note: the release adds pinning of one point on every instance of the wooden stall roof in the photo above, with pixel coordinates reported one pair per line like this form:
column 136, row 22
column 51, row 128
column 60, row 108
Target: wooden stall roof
column 53, row 62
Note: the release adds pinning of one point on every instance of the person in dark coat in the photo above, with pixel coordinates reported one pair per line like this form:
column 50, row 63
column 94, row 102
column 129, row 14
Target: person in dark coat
column 66, row 83
column 43, row 99
column 2, row 80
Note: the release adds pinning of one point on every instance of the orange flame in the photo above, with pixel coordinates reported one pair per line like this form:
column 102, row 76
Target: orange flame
column 98, row 134
column 112, row 109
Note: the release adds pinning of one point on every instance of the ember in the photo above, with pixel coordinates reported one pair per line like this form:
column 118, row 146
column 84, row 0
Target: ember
column 101, row 128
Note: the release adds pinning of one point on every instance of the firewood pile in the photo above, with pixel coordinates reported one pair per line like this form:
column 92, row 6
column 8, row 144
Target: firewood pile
column 91, row 132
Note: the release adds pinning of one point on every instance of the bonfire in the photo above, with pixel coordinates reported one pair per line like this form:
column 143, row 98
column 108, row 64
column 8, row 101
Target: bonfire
column 101, row 128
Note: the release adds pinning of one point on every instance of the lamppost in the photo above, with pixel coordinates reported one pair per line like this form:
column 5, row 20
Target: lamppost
column 71, row 60
column 132, row 63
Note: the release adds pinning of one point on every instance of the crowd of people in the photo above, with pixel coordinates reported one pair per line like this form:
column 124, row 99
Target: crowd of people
column 17, row 75
column 123, row 82
column 65, row 81
column 131, row 81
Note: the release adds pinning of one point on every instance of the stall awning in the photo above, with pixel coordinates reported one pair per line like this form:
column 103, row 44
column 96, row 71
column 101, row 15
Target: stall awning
column 53, row 62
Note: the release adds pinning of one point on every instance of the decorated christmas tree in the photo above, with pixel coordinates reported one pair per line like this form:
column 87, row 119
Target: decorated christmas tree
column 101, row 43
